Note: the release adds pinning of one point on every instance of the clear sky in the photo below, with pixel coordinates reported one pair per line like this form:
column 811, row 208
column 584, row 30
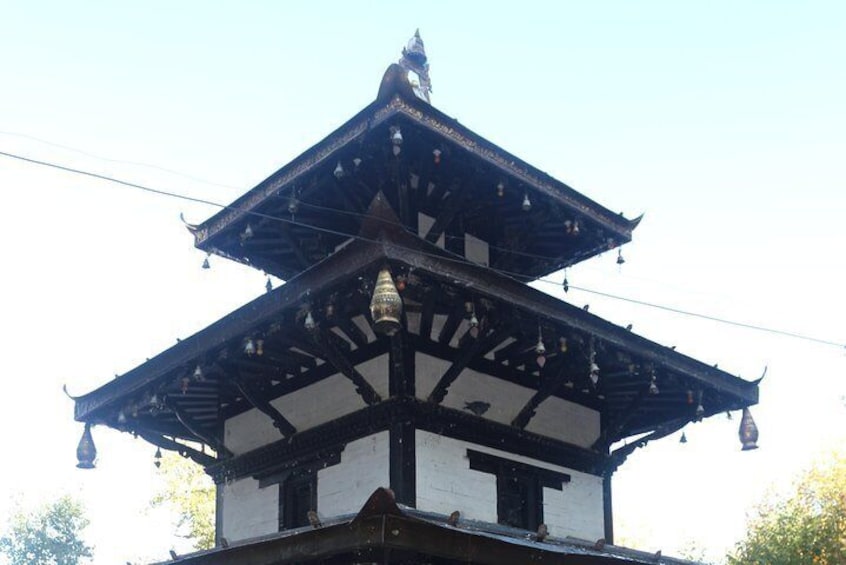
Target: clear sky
column 722, row 121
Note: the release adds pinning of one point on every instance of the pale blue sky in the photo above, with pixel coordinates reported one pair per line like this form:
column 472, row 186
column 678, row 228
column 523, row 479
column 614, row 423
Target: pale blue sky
column 723, row 121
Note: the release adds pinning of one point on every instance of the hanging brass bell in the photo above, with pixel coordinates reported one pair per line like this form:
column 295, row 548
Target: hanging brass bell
column 86, row 453
column 386, row 305
column 748, row 431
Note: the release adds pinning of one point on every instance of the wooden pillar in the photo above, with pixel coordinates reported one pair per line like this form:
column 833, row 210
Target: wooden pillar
column 606, row 506
column 403, row 462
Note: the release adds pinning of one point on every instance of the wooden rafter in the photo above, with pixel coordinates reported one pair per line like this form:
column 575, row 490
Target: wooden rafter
column 342, row 363
column 612, row 432
column 195, row 428
column 550, row 384
column 171, row 445
column 284, row 231
column 427, row 314
column 448, row 212
column 478, row 347
column 262, row 404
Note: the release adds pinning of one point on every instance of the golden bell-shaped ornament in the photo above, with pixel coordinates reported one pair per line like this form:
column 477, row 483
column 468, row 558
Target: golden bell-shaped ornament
column 386, row 305
column 748, row 431
column 86, row 452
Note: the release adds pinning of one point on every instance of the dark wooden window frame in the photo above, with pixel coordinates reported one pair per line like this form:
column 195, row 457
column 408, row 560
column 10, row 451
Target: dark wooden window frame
column 519, row 488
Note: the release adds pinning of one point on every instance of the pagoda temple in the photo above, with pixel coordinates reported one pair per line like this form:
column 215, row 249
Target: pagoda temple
column 405, row 396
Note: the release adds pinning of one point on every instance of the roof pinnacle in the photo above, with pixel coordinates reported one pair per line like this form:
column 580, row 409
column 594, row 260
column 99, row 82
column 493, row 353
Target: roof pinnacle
column 414, row 61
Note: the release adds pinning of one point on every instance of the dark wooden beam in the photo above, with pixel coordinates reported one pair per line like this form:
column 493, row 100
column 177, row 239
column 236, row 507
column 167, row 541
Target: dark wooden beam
column 284, row 230
column 612, row 432
column 171, row 445
column 427, row 314
column 352, row 331
column 402, row 464
column 452, row 322
column 195, row 428
column 261, row 404
column 549, row 385
column 449, row 209
column 478, row 347
column 338, row 360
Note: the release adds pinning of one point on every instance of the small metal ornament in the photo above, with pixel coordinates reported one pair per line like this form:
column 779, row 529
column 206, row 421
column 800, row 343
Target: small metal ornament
column 620, row 259
column 86, row 452
column 748, row 431
column 206, row 264
column 683, row 438
column 527, row 204
column 385, row 305
column 157, row 458
column 339, row 171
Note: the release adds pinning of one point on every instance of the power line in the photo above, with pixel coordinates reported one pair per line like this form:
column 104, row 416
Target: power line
column 361, row 238
column 121, row 161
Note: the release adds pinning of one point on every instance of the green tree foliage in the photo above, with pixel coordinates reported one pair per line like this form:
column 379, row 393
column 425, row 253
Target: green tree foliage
column 48, row 536
column 190, row 493
column 807, row 527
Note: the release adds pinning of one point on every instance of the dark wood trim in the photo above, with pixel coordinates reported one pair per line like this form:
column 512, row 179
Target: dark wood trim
column 171, row 445
column 261, row 404
column 613, row 431
column 607, row 507
column 342, row 363
column 449, row 210
column 209, row 438
column 218, row 515
column 423, row 416
column 548, row 386
column 401, row 369
column 487, row 463
column 314, row 461
column 403, row 462
column 477, row 347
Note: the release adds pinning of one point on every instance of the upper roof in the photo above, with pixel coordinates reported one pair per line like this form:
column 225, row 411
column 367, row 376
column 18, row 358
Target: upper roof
column 434, row 171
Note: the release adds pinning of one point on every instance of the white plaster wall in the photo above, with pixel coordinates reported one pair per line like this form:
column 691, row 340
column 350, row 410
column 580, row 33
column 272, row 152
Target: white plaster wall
column 375, row 372
column 506, row 399
column 427, row 372
column 476, row 250
column 567, row 421
column 364, row 467
column 424, row 224
column 306, row 408
column 445, row 483
column 555, row 417
column 249, row 511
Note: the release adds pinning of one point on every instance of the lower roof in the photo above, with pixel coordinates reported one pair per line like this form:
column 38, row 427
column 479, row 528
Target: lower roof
column 384, row 532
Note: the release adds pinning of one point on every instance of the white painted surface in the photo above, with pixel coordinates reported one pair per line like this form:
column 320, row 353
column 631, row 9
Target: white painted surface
column 427, row 372
column 364, row 467
column 445, row 483
column 506, row 399
column 555, row 417
column 476, row 250
column 375, row 372
column 249, row 511
column 424, row 224
column 306, row 408
column 567, row 421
